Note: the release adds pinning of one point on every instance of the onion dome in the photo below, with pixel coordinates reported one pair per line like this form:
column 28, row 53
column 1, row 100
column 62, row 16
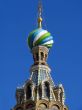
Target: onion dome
column 40, row 37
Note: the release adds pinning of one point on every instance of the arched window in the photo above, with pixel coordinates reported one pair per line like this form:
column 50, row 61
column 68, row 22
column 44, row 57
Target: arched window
column 42, row 55
column 28, row 92
column 47, row 89
column 43, row 106
column 19, row 95
column 37, row 56
column 40, row 91
column 65, row 108
column 19, row 108
column 30, row 106
column 45, row 56
column 55, row 107
column 20, row 99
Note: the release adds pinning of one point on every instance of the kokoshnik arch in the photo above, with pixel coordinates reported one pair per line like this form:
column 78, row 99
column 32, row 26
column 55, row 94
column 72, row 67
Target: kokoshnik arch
column 40, row 92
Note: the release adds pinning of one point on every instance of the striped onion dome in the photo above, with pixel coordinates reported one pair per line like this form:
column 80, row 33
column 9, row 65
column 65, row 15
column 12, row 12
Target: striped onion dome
column 40, row 37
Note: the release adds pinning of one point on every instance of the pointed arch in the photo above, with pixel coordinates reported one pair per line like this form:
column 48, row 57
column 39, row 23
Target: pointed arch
column 47, row 89
column 28, row 89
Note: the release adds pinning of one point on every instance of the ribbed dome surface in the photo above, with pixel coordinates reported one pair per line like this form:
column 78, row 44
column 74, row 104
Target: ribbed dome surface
column 40, row 37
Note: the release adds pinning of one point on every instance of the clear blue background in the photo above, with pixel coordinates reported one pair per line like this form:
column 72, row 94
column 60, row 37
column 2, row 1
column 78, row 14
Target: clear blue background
column 63, row 18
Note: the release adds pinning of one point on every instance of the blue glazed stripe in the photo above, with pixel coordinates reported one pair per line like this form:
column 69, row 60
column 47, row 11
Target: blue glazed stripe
column 46, row 39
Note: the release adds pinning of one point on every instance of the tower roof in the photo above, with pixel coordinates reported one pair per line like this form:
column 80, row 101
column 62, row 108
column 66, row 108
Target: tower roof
column 40, row 36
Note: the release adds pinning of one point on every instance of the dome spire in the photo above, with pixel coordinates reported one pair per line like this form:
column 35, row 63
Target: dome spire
column 39, row 36
column 40, row 14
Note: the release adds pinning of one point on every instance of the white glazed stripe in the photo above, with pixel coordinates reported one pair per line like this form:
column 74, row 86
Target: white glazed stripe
column 39, row 35
column 49, row 42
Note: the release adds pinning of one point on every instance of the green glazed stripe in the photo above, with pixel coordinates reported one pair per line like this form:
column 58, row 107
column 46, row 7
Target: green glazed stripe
column 29, row 37
column 41, row 38
column 48, row 45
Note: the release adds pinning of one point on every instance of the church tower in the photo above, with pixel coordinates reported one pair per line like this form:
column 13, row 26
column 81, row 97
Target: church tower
column 40, row 92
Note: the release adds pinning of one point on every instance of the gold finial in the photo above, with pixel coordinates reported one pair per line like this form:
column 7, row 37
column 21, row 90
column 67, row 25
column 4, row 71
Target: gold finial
column 39, row 14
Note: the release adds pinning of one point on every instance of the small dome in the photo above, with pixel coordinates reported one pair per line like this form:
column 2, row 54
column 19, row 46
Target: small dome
column 40, row 37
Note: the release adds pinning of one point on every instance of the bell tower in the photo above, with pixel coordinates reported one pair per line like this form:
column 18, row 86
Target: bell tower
column 40, row 92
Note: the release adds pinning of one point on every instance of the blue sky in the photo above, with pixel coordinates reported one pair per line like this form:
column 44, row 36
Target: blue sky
column 63, row 18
